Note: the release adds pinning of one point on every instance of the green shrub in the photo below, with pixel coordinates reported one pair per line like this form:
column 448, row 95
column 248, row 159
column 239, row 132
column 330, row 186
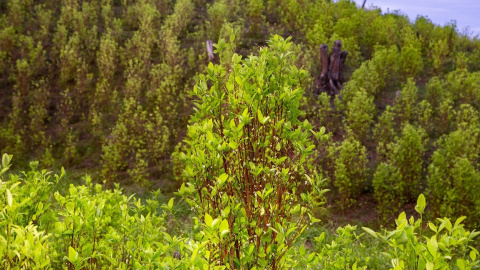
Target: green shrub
column 136, row 144
column 424, row 115
column 87, row 228
column 406, row 102
column 341, row 253
column 453, row 177
column 384, row 132
column 350, row 160
column 411, row 63
column 444, row 246
column 407, row 156
column 389, row 190
column 25, row 201
column 245, row 158
column 359, row 115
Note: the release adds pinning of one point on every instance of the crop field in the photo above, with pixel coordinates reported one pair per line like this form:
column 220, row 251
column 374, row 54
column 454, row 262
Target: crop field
column 236, row 134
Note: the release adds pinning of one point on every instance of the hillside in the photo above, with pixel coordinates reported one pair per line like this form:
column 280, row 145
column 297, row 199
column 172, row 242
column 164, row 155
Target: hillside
column 102, row 87
column 125, row 91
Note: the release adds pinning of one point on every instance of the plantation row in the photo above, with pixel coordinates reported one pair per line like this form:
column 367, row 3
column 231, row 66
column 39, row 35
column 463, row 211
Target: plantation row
column 104, row 86
column 252, row 186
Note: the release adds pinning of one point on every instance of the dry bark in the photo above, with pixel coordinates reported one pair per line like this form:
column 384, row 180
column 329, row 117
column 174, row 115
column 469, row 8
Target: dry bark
column 331, row 78
column 210, row 50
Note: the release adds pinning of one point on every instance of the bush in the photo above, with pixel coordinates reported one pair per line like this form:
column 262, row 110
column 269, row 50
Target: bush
column 389, row 190
column 359, row 115
column 384, row 132
column 406, row 102
column 350, row 161
column 246, row 157
column 445, row 246
column 407, row 156
column 453, row 177
column 87, row 228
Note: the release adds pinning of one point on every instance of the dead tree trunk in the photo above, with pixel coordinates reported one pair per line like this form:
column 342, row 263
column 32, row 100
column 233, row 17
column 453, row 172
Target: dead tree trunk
column 364, row 2
column 331, row 79
column 210, row 50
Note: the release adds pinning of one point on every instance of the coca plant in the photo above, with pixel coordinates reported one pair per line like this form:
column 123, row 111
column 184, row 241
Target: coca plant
column 246, row 160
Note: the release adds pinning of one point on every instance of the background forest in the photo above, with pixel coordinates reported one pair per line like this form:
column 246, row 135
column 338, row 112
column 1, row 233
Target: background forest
column 106, row 87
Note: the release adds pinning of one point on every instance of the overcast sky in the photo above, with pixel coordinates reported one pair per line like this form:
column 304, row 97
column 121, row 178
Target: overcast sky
column 465, row 12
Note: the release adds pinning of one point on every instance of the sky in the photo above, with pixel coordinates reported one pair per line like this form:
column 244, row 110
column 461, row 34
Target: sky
column 465, row 12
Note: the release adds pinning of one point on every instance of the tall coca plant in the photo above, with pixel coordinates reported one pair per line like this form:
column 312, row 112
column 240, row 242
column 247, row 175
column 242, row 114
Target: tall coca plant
column 246, row 160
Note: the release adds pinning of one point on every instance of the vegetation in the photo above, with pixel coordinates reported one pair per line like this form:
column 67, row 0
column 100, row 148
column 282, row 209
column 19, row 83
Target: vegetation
column 243, row 146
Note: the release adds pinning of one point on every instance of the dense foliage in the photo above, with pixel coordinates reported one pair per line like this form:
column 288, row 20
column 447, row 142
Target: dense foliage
column 246, row 156
column 90, row 227
column 102, row 86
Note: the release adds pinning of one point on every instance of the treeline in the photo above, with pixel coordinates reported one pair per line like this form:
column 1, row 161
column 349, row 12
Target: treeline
column 103, row 85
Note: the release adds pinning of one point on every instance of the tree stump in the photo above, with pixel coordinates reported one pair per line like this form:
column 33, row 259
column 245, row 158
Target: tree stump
column 331, row 79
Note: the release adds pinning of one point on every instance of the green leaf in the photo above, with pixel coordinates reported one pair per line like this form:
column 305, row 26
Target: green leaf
column 208, row 220
column 222, row 178
column 311, row 257
column 233, row 145
column 6, row 160
column 459, row 220
column 322, row 130
column 72, row 254
column 224, row 225
column 170, row 204
column 473, row 255
column 215, row 222
column 421, row 203
column 9, row 198
column 421, row 264
column 3, row 170
column 168, row 237
column 301, row 250
column 261, row 118
column 370, row 231
column 432, row 249
column 194, row 255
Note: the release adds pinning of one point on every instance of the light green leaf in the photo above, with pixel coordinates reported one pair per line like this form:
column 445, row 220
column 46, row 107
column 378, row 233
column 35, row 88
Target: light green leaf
column 370, row 231
column 260, row 116
column 301, row 250
column 222, row 178
column 6, row 160
column 224, row 225
column 9, row 197
column 473, row 255
column 215, row 222
column 459, row 220
column 170, row 204
column 72, row 254
column 421, row 203
column 208, row 220
column 194, row 255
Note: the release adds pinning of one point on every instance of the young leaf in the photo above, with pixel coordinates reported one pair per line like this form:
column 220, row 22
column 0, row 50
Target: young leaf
column 370, row 231
column 9, row 197
column 72, row 254
column 170, row 204
column 208, row 220
column 420, row 207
